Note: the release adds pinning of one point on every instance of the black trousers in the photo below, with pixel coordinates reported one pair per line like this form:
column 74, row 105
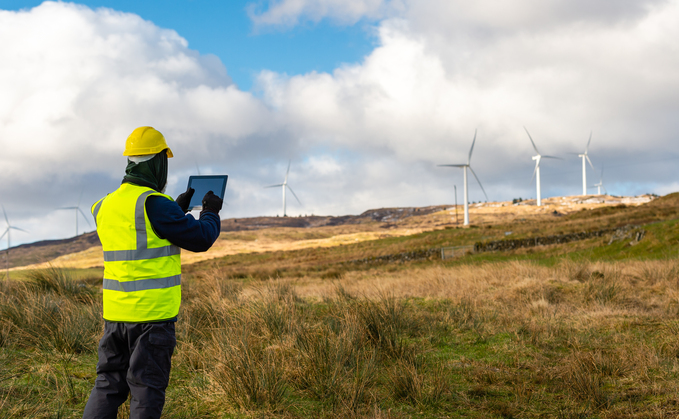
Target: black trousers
column 134, row 359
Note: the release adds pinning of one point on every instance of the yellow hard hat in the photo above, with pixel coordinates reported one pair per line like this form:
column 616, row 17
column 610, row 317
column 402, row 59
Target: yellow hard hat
column 144, row 141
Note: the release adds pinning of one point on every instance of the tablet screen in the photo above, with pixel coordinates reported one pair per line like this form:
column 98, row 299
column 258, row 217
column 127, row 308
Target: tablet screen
column 204, row 183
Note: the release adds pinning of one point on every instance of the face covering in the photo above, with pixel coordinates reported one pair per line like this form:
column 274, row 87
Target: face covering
column 151, row 173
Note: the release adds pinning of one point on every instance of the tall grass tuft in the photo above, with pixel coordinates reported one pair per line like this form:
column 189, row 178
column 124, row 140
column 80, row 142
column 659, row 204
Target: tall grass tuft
column 51, row 311
column 603, row 288
column 58, row 281
column 385, row 321
column 250, row 377
column 322, row 362
column 418, row 385
column 584, row 378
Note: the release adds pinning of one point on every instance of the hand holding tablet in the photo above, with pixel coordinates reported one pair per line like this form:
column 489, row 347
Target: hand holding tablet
column 202, row 184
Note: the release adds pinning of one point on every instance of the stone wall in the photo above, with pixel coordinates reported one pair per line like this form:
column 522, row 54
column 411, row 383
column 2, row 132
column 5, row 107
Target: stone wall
column 511, row 244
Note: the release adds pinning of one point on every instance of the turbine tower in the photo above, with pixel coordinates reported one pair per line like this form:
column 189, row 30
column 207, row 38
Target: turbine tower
column 466, row 189
column 78, row 210
column 536, row 172
column 285, row 185
column 584, row 157
column 7, row 232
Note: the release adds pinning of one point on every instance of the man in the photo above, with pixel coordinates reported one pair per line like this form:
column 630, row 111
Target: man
column 141, row 230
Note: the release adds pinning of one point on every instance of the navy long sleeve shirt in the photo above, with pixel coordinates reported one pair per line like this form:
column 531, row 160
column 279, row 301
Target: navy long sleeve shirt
column 183, row 230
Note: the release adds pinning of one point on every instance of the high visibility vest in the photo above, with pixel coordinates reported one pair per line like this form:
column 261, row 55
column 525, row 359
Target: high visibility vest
column 142, row 272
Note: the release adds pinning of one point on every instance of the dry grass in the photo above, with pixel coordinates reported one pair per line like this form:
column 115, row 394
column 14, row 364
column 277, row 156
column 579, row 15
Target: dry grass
column 509, row 339
column 284, row 239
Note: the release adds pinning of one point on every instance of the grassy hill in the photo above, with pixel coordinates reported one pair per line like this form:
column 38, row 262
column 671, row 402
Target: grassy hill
column 326, row 326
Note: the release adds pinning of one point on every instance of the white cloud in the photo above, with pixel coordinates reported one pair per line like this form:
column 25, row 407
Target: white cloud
column 479, row 18
column 287, row 13
column 80, row 80
column 418, row 90
column 368, row 134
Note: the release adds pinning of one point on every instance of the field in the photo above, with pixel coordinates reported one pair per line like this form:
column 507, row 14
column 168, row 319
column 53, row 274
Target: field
column 381, row 326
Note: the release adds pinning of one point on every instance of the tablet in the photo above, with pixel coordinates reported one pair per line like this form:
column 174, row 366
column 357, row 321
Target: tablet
column 204, row 183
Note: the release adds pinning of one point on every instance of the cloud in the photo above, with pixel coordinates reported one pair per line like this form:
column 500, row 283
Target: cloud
column 288, row 13
column 75, row 82
column 478, row 18
column 420, row 95
column 80, row 80
column 368, row 134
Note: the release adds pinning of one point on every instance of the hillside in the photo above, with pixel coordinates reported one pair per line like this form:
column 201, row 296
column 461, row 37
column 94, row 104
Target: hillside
column 381, row 226
column 48, row 250
column 564, row 311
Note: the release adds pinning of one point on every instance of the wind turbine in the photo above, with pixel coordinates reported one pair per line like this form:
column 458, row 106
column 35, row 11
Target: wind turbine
column 78, row 210
column 285, row 185
column 466, row 189
column 536, row 172
column 584, row 157
column 7, row 232
column 600, row 184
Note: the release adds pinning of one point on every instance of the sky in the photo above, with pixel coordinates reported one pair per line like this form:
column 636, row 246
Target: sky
column 363, row 98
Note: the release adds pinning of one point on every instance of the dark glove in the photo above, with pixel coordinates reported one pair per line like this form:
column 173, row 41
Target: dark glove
column 212, row 203
column 184, row 199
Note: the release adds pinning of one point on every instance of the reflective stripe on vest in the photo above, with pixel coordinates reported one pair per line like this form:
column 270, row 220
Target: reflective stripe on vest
column 142, row 272
column 140, row 254
column 142, row 284
column 95, row 210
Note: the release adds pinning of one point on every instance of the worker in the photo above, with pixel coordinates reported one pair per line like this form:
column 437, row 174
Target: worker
column 141, row 231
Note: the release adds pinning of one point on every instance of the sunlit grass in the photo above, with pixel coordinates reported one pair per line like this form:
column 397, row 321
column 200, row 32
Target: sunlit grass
column 502, row 339
column 584, row 329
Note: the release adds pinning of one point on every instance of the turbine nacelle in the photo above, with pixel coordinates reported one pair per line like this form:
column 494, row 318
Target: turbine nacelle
column 536, row 171
column 465, row 167
column 285, row 186
column 7, row 232
column 78, row 210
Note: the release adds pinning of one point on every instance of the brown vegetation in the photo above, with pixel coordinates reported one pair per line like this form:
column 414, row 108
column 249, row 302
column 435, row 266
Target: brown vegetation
column 509, row 339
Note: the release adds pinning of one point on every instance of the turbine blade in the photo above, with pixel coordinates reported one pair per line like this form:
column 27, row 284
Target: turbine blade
column 293, row 194
column 17, row 228
column 3, row 234
column 85, row 217
column 590, row 162
column 551, row 157
column 68, row 208
column 469, row 159
column 531, row 140
column 453, row 165
column 275, row 186
column 537, row 164
column 287, row 172
column 81, row 196
column 590, row 140
column 477, row 179
column 5, row 213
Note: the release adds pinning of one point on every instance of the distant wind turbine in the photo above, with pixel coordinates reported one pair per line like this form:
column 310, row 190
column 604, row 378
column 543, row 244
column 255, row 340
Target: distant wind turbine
column 78, row 210
column 7, row 232
column 285, row 185
column 600, row 185
column 584, row 157
column 536, row 172
column 466, row 192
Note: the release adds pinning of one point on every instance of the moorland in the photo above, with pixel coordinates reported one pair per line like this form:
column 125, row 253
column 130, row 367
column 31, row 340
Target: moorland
column 395, row 313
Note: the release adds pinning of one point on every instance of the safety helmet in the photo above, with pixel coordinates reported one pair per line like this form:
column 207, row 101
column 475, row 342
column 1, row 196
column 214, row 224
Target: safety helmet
column 144, row 141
